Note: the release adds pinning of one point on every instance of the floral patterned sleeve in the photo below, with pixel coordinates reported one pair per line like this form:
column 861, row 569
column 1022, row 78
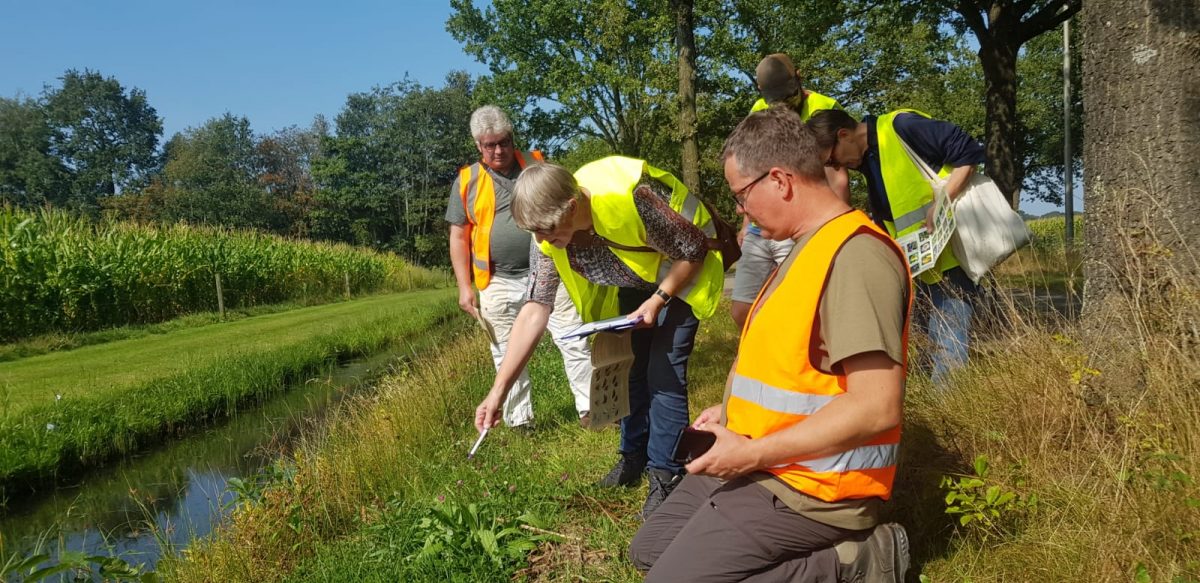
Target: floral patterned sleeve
column 543, row 277
column 666, row 230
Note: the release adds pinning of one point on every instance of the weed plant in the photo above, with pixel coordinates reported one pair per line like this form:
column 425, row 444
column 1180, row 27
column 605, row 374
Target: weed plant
column 66, row 273
column 1076, row 482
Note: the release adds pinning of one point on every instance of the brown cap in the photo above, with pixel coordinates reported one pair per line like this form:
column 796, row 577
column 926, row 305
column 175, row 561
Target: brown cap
column 776, row 78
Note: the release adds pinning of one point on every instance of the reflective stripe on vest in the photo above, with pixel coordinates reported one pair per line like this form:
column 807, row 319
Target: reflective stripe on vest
column 773, row 390
column 908, row 193
column 478, row 193
column 610, row 182
column 813, row 102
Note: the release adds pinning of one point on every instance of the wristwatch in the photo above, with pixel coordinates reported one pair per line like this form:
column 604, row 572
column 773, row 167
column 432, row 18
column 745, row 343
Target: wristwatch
column 666, row 297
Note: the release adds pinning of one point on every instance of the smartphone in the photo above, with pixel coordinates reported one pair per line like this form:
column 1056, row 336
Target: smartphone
column 691, row 444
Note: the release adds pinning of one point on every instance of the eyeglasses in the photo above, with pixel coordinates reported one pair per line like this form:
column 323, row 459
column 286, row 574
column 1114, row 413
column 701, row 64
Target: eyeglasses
column 739, row 196
column 505, row 144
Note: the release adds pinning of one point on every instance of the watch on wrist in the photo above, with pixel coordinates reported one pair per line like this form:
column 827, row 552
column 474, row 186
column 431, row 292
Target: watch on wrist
column 666, row 297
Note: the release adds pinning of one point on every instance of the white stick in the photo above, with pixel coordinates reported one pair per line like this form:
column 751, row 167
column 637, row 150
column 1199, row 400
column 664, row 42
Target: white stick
column 482, row 434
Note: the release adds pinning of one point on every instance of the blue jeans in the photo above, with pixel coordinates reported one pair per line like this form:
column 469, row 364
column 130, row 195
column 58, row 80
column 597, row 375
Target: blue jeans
column 945, row 315
column 658, row 402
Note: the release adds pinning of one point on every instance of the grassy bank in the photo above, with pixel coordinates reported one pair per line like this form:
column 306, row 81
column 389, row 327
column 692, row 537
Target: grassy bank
column 117, row 396
column 1054, row 477
column 65, row 273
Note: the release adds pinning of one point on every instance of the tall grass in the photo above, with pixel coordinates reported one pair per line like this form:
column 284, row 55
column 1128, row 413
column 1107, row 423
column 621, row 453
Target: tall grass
column 65, row 273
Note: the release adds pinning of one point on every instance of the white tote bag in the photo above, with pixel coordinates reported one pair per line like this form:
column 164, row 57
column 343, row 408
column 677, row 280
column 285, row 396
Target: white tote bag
column 987, row 230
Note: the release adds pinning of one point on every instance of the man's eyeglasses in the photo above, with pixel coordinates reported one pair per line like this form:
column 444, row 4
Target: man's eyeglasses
column 506, row 143
column 739, row 196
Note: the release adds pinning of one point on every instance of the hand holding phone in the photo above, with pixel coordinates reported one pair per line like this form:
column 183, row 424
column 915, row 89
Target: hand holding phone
column 691, row 444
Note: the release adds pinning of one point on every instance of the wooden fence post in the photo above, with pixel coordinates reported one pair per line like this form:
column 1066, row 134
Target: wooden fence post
column 220, row 297
column 347, row 275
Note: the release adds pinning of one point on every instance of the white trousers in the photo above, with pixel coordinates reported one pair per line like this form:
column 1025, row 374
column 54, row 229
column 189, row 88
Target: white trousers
column 499, row 305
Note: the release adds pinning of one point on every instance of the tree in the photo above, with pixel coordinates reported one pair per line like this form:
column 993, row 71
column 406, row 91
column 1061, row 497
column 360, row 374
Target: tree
column 595, row 67
column 105, row 136
column 286, row 159
column 685, row 44
column 1002, row 27
column 1142, row 68
column 384, row 179
column 30, row 175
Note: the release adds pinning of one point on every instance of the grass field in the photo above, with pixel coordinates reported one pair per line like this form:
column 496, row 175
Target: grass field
column 117, row 395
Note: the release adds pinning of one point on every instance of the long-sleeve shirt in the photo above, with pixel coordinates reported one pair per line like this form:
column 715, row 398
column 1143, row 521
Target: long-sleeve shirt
column 937, row 142
column 666, row 231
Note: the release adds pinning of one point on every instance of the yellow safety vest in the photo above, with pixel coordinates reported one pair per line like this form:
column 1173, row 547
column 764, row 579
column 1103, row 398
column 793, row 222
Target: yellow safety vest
column 611, row 182
column 908, row 193
column 813, row 102
column 776, row 383
column 478, row 193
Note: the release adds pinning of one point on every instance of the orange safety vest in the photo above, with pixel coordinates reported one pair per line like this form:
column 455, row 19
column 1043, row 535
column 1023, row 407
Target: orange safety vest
column 776, row 383
column 478, row 193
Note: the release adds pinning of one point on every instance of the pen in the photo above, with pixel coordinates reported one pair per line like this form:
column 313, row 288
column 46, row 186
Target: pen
column 482, row 434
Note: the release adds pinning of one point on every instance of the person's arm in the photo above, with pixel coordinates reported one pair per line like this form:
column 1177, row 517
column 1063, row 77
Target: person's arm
column 872, row 404
column 460, row 260
column 681, row 273
column 526, row 332
column 673, row 236
column 839, row 181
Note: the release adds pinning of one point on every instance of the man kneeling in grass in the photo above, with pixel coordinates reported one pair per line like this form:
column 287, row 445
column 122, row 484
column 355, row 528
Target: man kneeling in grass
column 807, row 435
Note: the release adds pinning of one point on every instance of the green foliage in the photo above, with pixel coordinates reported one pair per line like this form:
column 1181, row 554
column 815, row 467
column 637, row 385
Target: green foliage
column 78, row 566
column 1049, row 234
column 66, row 273
column 384, row 180
column 105, row 135
column 458, row 532
column 987, row 510
column 30, row 175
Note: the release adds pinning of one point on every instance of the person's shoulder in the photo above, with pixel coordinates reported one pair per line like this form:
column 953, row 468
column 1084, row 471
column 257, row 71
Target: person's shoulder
column 868, row 254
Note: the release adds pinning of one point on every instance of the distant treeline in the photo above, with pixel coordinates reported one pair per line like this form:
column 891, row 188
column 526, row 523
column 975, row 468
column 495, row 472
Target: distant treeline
column 62, row 272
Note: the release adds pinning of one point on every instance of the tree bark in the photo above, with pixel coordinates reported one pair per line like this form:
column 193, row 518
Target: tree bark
column 685, row 43
column 1004, row 161
column 1141, row 74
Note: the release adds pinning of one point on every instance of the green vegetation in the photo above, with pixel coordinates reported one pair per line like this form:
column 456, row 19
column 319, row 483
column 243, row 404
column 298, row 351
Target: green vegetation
column 69, row 409
column 1060, row 484
column 66, row 273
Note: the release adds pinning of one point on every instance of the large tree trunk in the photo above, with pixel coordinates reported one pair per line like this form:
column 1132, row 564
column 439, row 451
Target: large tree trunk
column 1004, row 163
column 1141, row 74
column 685, row 42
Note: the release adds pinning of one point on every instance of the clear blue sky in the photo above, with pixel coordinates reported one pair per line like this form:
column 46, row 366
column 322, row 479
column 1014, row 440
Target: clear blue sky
column 277, row 63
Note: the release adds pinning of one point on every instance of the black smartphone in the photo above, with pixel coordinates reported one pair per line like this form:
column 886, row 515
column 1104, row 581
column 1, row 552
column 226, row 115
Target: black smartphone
column 691, row 444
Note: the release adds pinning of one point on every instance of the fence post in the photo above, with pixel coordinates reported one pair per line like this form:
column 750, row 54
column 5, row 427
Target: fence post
column 220, row 297
column 347, row 276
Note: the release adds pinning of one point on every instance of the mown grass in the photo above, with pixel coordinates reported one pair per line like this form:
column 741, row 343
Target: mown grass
column 66, row 273
column 1113, row 472
column 121, row 395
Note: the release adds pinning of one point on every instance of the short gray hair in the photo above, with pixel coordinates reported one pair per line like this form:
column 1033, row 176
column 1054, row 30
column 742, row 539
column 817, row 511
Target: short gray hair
column 775, row 137
column 489, row 120
column 541, row 196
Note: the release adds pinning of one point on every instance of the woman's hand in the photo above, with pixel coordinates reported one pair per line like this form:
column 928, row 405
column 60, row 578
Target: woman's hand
column 487, row 414
column 648, row 312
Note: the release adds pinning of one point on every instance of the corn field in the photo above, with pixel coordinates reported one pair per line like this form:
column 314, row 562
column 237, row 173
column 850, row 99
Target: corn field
column 63, row 273
column 1049, row 234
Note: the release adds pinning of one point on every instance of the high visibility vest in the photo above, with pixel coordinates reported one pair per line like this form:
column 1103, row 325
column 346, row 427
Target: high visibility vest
column 908, row 193
column 776, row 384
column 611, row 182
column 813, row 102
column 478, row 193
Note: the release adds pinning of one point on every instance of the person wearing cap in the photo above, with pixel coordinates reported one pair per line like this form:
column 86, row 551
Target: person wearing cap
column 900, row 200
column 779, row 84
column 490, row 252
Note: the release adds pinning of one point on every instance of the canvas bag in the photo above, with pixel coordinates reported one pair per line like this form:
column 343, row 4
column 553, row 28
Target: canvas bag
column 987, row 230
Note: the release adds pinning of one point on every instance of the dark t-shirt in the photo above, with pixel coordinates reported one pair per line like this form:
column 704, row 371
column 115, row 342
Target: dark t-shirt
column 510, row 244
column 937, row 142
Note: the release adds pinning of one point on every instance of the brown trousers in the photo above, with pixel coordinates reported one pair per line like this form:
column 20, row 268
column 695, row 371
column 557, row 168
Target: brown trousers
column 713, row 531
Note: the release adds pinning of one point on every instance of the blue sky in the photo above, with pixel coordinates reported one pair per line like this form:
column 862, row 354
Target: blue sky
column 276, row 63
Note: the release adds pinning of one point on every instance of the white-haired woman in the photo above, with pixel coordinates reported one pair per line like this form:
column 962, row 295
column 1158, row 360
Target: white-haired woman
column 624, row 238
